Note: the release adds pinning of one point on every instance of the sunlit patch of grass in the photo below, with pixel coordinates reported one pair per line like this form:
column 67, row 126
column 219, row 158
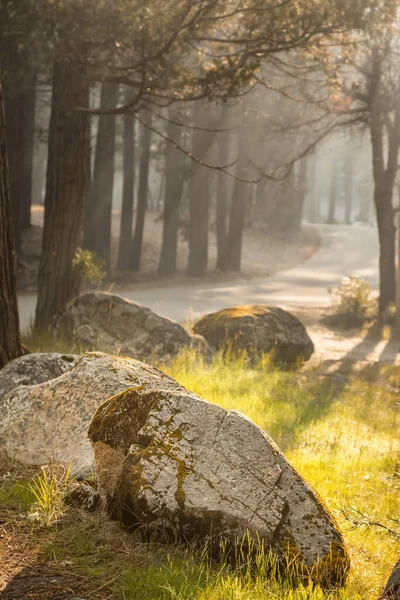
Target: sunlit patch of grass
column 49, row 489
column 341, row 435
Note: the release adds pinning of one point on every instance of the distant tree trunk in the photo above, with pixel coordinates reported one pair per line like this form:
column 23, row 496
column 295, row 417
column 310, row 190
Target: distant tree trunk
column 301, row 185
column 199, row 199
column 241, row 194
column 348, row 192
column 222, row 204
column 332, row 198
column 137, row 241
column 10, row 343
column 128, row 189
column 172, row 200
column 19, row 90
column 313, row 195
column 365, row 208
column 64, row 191
column 88, row 206
column 28, row 154
column 103, row 176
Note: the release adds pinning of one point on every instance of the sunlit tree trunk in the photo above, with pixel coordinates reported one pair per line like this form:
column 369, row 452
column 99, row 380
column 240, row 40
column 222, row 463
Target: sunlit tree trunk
column 222, row 204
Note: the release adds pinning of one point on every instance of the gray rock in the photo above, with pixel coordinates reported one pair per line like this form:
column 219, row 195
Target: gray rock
column 51, row 419
column 172, row 464
column 34, row 368
column 82, row 495
column 106, row 322
column 392, row 588
column 257, row 329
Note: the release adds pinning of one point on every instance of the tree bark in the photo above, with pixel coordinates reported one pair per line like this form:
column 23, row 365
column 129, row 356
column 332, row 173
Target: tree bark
column 18, row 88
column 172, row 199
column 137, row 241
column 199, row 200
column 103, row 176
column 28, row 150
column 348, row 191
column 88, row 200
column 222, row 204
column 332, row 198
column 10, row 343
column 387, row 244
column 64, row 191
column 241, row 193
column 128, row 189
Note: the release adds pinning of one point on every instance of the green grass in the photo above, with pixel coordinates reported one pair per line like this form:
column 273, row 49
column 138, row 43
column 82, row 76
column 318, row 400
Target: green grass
column 342, row 436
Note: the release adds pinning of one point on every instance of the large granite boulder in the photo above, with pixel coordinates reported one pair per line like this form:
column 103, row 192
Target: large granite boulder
column 257, row 330
column 47, row 402
column 110, row 323
column 171, row 464
column 392, row 588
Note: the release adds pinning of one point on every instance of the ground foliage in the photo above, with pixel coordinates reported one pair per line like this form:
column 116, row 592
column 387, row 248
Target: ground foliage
column 338, row 429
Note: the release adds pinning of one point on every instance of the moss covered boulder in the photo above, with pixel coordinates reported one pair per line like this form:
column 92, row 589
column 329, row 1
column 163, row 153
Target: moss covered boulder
column 257, row 330
column 176, row 467
column 47, row 402
column 111, row 323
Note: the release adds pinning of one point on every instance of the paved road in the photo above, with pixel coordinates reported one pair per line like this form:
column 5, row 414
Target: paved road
column 344, row 251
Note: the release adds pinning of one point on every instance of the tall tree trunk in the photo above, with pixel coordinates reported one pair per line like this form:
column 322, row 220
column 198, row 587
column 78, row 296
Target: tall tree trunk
column 64, row 191
column 128, row 189
column 313, row 195
column 222, row 204
column 365, row 208
column 88, row 200
column 241, row 194
column 10, row 343
column 387, row 244
column 172, row 199
column 18, row 88
column 199, row 200
column 348, row 191
column 137, row 241
column 332, row 197
column 28, row 150
column 103, row 176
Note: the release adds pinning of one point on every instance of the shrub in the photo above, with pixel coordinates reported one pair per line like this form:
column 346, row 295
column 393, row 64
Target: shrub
column 354, row 297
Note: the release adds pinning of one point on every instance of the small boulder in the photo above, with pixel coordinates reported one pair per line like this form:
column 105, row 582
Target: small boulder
column 110, row 323
column 82, row 495
column 257, row 330
column 174, row 465
column 392, row 588
column 46, row 413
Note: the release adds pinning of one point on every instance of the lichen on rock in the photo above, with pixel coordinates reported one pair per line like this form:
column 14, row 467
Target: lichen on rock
column 257, row 330
column 191, row 470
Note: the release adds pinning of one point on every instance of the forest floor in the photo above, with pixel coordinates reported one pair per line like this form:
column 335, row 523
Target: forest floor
column 340, row 431
column 263, row 255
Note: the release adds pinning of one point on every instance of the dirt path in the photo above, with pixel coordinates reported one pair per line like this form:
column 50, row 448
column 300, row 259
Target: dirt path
column 335, row 348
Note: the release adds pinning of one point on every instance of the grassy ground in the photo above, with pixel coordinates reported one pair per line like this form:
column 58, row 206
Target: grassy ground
column 339, row 430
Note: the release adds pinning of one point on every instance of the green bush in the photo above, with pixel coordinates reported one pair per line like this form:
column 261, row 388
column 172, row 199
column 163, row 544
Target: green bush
column 354, row 296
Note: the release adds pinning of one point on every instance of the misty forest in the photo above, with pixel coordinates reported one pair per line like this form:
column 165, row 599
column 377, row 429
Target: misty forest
column 199, row 299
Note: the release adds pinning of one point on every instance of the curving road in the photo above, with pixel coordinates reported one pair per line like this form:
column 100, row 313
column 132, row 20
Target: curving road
column 345, row 250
